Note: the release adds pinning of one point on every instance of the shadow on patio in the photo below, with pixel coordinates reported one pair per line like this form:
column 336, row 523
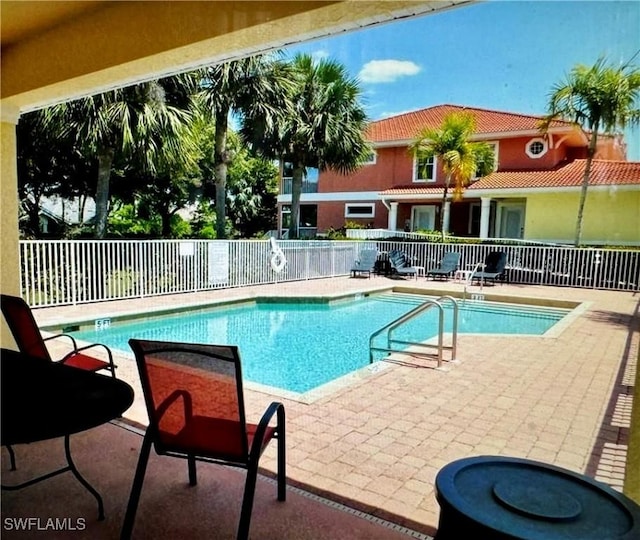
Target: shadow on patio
column 169, row 508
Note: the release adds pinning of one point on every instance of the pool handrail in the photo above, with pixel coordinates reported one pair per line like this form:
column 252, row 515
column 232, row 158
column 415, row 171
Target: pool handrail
column 427, row 304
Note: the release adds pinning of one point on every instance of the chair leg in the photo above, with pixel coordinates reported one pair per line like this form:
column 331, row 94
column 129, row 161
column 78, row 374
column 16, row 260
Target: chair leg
column 12, row 457
column 191, row 464
column 136, row 488
column 247, row 502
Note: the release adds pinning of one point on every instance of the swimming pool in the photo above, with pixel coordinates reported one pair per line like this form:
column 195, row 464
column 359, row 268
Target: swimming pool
column 300, row 345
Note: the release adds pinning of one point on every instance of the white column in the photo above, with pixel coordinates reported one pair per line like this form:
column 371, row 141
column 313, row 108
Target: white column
column 485, row 209
column 446, row 217
column 392, row 223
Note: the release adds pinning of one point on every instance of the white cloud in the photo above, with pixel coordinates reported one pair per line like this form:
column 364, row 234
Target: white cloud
column 387, row 114
column 320, row 54
column 383, row 71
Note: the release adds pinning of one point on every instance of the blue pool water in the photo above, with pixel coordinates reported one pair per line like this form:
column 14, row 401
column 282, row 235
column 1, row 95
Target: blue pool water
column 299, row 346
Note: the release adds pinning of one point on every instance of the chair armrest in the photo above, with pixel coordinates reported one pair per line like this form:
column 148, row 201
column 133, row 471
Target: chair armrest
column 86, row 347
column 258, row 438
column 173, row 397
column 73, row 340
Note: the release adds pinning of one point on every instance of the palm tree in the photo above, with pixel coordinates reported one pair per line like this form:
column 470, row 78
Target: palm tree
column 322, row 126
column 460, row 158
column 127, row 123
column 597, row 98
column 252, row 87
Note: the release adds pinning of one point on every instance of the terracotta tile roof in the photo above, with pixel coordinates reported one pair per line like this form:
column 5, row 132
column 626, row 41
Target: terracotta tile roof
column 603, row 173
column 406, row 126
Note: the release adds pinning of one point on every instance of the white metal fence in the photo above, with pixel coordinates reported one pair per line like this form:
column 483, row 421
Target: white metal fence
column 57, row 272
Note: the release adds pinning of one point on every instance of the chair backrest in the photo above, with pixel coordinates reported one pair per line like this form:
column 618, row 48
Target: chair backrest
column 450, row 261
column 23, row 326
column 368, row 258
column 183, row 381
column 495, row 262
column 398, row 259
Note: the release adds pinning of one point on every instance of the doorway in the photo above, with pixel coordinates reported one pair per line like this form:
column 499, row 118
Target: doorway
column 423, row 218
column 511, row 220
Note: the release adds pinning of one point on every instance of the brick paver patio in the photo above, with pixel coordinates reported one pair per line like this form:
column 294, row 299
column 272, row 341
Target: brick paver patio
column 378, row 443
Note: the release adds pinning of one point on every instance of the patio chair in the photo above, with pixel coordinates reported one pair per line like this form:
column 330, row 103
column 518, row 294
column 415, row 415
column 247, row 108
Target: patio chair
column 494, row 268
column 365, row 263
column 448, row 266
column 195, row 402
column 401, row 264
column 29, row 340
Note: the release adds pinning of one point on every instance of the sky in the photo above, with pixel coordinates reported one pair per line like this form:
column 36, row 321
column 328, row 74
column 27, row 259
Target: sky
column 505, row 55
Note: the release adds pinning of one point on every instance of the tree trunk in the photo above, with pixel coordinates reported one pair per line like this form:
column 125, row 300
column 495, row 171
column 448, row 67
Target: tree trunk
column 443, row 205
column 296, row 189
column 220, row 162
column 585, row 186
column 165, row 216
column 105, row 160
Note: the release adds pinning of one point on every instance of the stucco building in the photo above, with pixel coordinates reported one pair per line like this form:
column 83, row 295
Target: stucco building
column 533, row 193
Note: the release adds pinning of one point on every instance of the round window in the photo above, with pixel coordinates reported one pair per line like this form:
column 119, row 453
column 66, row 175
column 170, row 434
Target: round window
column 536, row 148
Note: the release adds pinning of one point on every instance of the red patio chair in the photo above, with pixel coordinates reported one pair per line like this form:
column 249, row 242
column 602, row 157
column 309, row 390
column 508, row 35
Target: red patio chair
column 29, row 340
column 194, row 399
column 27, row 336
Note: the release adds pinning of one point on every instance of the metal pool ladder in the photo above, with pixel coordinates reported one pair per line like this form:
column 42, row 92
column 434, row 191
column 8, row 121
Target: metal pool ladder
column 427, row 304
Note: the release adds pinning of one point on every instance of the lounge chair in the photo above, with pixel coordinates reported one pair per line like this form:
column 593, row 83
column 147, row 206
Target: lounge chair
column 448, row 266
column 494, row 268
column 401, row 264
column 195, row 403
column 365, row 263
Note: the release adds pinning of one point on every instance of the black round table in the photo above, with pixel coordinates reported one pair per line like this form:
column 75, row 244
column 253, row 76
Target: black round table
column 501, row 498
column 44, row 400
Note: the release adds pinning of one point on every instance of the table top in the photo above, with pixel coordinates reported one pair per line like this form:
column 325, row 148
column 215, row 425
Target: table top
column 502, row 497
column 43, row 400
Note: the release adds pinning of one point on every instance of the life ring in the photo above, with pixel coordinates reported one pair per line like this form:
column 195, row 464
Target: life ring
column 278, row 260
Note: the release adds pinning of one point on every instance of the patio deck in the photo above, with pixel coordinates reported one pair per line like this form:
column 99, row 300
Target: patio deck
column 378, row 444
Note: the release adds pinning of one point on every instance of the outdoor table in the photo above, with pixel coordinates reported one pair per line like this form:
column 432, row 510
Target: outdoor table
column 43, row 400
column 501, row 498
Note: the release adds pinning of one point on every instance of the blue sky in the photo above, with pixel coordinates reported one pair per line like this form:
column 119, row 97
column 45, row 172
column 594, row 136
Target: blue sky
column 500, row 54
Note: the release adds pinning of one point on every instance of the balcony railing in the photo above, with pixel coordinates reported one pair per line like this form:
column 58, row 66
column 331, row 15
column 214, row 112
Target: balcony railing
column 307, row 187
column 57, row 272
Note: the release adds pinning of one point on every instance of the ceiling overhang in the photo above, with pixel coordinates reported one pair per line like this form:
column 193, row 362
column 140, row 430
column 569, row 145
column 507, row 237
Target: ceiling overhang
column 56, row 51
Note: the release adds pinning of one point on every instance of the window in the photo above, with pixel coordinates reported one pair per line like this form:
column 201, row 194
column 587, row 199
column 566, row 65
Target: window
column 370, row 159
column 360, row 210
column 424, row 168
column 494, row 147
column 308, row 216
column 536, row 148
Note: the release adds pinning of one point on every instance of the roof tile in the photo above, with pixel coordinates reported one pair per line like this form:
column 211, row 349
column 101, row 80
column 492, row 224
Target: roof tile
column 407, row 126
column 603, row 173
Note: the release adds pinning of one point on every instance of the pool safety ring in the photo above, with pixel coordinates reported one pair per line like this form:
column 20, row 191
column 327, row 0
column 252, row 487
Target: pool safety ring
column 278, row 260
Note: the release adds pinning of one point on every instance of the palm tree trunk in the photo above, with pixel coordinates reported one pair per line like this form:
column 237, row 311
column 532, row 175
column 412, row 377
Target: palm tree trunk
column 443, row 205
column 105, row 160
column 585, row 186
column 220, row 161
column 296, row 189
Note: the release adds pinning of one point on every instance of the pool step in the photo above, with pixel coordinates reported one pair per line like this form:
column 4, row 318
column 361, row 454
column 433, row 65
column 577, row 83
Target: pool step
column 401, row 298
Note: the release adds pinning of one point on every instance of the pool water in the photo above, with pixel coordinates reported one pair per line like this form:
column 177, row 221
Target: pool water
column 299, row 346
